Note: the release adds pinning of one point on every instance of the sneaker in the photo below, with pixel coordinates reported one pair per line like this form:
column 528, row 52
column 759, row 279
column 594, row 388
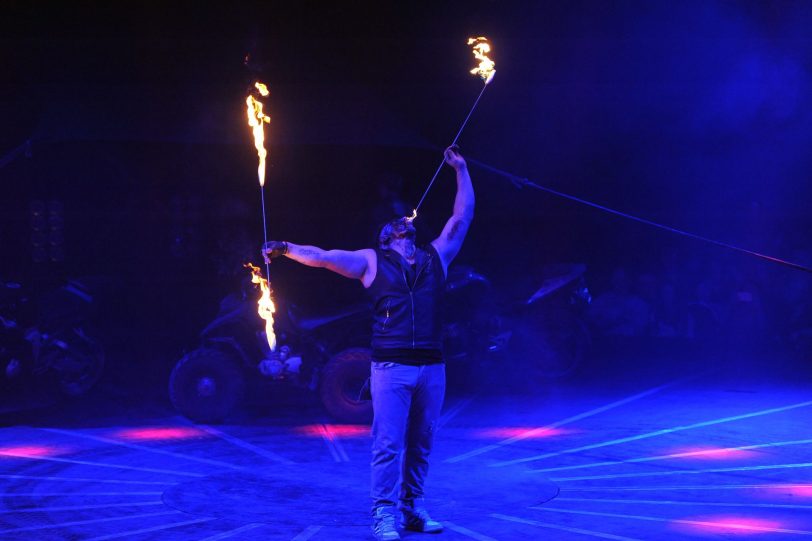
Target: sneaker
column 417, row 519
column 383, row 525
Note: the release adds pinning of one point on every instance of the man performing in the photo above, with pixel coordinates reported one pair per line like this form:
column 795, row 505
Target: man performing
column 407, row 375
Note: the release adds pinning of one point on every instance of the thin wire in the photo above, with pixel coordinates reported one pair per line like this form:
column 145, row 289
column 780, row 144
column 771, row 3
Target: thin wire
column 265, row 232
column 522, row 182
column 442, row 162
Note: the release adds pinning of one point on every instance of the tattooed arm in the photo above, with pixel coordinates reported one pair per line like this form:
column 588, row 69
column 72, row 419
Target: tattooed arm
column 449, row 242
column 359, row 264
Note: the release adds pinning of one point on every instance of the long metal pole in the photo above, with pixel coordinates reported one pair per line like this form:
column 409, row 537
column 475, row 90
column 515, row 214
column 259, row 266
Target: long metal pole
column 264, row 230
column 456, row 138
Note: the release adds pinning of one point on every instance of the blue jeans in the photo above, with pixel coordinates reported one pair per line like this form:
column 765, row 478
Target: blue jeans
column 406, row 401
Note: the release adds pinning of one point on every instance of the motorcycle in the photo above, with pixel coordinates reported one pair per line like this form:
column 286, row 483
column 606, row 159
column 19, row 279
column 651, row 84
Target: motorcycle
column 330, row 354
column 518, row 341
column 48, row 338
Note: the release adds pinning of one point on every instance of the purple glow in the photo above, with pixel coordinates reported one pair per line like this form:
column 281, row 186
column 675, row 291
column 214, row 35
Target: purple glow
column 711, row 453
column 333, row 431
column 523, row 432
column 729, row 524
column 160, row 433
column 31, row 451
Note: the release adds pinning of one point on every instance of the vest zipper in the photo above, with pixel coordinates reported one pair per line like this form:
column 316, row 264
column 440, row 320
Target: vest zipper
column 385, row 321
column 411, row 296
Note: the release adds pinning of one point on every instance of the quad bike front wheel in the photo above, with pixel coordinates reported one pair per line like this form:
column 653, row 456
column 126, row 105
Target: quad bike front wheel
column 206, row 385
column 340, row 386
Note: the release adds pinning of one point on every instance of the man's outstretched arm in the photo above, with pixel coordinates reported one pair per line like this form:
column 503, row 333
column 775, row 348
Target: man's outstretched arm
column 359, row 264
column 449, row 242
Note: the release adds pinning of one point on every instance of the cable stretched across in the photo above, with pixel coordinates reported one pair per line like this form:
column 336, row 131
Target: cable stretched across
column 524, row 182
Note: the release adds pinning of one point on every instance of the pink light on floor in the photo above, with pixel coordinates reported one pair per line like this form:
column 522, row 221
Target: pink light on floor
column 30, row 451
column 333, row 431
column 729, row 524
column 523, row 432
column 161, row 433
column 711, row 453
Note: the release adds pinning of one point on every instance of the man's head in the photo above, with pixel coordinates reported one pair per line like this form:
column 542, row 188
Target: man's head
column 398, row 235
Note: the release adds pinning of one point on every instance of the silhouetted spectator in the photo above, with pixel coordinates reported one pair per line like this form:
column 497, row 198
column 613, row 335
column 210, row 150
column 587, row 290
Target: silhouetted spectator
column 618, row 312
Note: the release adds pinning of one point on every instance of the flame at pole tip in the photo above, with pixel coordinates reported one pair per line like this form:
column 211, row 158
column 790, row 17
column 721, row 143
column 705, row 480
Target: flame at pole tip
column 265, row 305
column 256, row 120
column 261, row 88
column 486, row 68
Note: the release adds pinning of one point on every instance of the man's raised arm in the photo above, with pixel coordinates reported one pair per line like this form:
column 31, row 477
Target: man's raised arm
column 449, row 242
column 359, row 264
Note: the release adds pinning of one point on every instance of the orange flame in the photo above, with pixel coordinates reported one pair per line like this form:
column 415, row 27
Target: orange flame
column 266, row 307
column 256, row 119
column 486, row 68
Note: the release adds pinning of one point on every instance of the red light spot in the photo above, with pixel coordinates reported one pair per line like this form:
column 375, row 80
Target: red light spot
column 522, row 432
column 736, row 525
column 30, row 451
column 711, row 453
column 333, row 431
column 161, row 433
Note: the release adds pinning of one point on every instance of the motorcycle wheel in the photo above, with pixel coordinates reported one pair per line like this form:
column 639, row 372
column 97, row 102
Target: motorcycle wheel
column 340, row 386
column 77, row 358
column 206, row 385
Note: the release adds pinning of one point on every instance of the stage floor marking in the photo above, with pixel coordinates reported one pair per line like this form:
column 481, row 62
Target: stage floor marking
column 233, row 440
column 742, row 527
column 685, row 487
column 76, row 507
column 466, row 532
column 538, row 524
column 655, row 433
column 669, row 502
column 84, row 480
column 148, row 449
column 107, row 465
column 148, row 530
column 10, row 495
column 673, row 455
column 230, row 533
column 452, row 412
column 308, row 532
column 562, row 422
column 90, row 521
column 686, row 472
column 333, row 444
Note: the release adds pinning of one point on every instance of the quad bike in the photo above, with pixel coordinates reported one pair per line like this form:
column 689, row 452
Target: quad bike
column 47, row 337
column 330, row 353
column 527, row 340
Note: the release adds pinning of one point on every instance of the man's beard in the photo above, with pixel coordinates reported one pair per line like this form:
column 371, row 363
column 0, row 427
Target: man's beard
column 409, row 249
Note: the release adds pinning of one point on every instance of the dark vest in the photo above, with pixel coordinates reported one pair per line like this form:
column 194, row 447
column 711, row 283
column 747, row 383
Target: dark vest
column 407, row 303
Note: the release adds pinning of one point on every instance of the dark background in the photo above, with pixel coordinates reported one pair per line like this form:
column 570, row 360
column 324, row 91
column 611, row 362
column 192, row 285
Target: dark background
column 131, row 117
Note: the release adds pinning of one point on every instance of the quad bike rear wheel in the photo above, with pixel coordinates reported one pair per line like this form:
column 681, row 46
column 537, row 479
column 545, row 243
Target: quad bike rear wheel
column 206, row 385
column 341, row 382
